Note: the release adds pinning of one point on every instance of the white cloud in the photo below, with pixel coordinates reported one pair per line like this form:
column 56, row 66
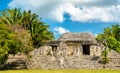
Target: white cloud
column 79, row 10
column 60, row 30
column 103, row 14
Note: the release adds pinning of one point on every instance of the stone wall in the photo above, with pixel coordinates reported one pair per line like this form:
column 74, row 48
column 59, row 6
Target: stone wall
column 78, row 50
column 18, row 61
column 42, row 58
column 71, row 62
column 95, row 50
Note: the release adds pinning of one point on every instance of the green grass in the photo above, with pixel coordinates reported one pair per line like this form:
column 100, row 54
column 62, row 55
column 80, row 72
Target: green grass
column 60, row 71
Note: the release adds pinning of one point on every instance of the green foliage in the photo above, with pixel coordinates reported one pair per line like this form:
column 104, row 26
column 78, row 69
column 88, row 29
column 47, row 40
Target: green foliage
column 111, row 39
column 38, row 30
column 113, row 44
column 104, row 57
column 13, row 42
column 3, row 27
column 11, row 16
column 41, row 34
column 26, row 40
column 8, row 45
column 20, row 31
column 3, row 52
column 115, row 30
column 31, row 22
column 14, row 46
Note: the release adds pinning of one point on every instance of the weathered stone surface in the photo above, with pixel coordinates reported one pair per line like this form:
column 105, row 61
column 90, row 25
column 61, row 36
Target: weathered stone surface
column 15, row 62
column 72, row 62
column 39, row 61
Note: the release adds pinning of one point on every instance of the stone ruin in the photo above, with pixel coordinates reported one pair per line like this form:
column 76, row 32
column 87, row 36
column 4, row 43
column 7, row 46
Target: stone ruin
column 76, row 44
column 72, row 51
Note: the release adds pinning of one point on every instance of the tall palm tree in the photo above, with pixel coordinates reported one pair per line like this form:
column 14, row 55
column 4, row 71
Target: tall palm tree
column 39, row 30
column 11, row 16
column 30, row 21
column 40, row 34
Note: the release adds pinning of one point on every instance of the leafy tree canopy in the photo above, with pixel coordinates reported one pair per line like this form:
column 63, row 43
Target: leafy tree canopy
column 20, row 31
column 111, row 37
column 30, row 21
column 8, row 44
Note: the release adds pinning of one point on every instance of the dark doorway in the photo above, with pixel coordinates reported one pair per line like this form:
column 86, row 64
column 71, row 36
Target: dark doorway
column 86, row 49
column 54, row 48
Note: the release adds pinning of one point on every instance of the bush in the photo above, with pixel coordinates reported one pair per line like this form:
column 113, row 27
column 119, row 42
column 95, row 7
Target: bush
column 105, row 57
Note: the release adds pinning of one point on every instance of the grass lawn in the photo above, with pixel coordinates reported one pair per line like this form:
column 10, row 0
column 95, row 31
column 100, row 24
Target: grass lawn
column 60, row 71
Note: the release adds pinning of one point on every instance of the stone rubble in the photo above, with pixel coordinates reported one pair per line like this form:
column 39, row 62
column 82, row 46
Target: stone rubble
column 71, row 62
column 39, row 61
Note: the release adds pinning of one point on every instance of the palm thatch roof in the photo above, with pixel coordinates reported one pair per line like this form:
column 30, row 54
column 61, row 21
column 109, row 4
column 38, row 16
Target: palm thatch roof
column 53, row 43
column 84, row 37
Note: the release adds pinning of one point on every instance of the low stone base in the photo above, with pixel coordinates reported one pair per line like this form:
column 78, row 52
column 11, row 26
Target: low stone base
column 83, row 62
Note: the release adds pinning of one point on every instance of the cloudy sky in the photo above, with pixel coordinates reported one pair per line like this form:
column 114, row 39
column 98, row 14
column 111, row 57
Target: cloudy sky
column 71, row 15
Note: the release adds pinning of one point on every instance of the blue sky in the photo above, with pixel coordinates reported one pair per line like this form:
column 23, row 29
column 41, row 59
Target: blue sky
column 71, row 15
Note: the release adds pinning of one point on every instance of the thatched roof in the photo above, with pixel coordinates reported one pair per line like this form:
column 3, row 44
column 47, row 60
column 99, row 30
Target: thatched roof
column 53, row 43
column 83, row 37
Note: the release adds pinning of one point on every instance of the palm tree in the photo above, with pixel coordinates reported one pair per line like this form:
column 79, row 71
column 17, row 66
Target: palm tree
column 11, row 16
column 40, row 34
column 39, row 30
column 30, row 21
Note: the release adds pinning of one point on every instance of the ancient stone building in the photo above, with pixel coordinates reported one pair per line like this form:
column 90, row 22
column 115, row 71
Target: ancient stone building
column 76, row 44
column 70, row 51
